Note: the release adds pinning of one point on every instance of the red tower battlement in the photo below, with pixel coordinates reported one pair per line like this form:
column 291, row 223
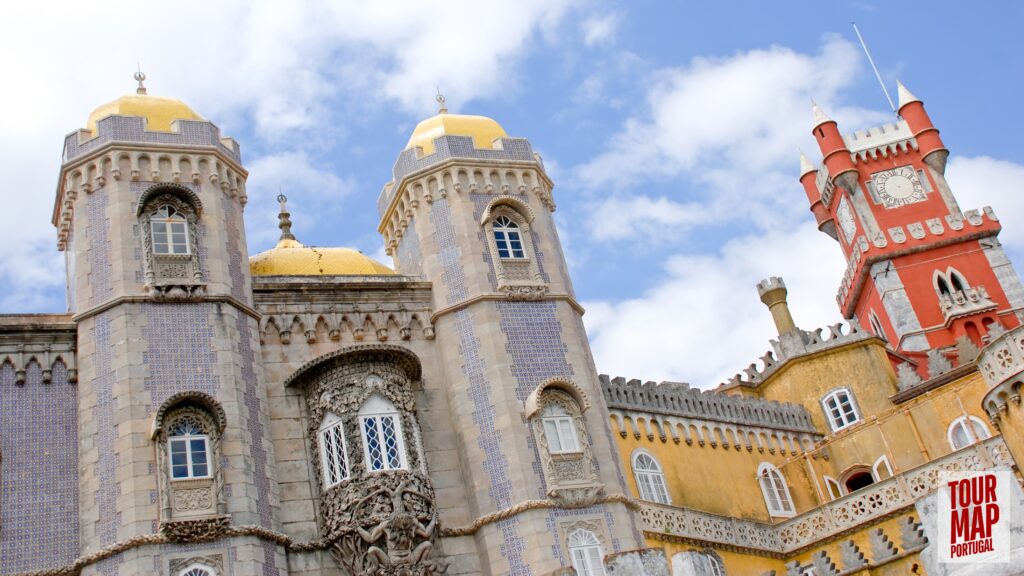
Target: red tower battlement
column 920, row 273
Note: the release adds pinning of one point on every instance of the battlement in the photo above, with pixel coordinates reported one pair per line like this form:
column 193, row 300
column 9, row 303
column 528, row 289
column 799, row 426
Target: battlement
column 769, row 284
column 133, row 129
column 447, row 147
column 679, row 399
column 795, row 345
column 879, row 137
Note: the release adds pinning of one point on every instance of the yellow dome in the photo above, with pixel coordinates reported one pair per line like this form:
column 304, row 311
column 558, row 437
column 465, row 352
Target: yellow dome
column 484, row 131
column 159, row 112
column 292, row 258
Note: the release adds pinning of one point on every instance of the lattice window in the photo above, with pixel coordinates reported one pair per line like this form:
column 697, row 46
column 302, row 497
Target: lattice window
column 508, row 239
column 381, row 428
column 560, row 430
column 967, row 430
column 840, row 409
column 585, row 550
column 333, row 452
column 775, row 490
column 650, row 480
column 189, row 448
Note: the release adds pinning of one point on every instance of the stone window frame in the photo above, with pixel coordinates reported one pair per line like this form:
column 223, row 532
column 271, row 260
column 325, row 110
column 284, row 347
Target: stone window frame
column 834, row 394
column 195, row 497
column 559, row 424
column 658, row 473
column 186, row 203
column 564, row 471
column 970, row 431
column 949, row 279
column 515, row 276
column 367, row 411
column 333, row 426
column 187, row 441
column 876, row 326
column 213, row 564
column 590, row 544
column 773, row 483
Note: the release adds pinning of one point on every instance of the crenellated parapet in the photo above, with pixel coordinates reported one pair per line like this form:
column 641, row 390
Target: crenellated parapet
column 680, row 400
column 48, row 340
column 115, row 128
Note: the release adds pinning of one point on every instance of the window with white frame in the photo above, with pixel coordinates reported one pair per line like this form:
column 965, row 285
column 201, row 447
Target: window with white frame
column 585, row 550
column 775, row 490
column 333, row 452
column 196, row 570
column 381, row 429
column 882, row 469
column 650, row 480
column 560, row 430
column 967, row 430
column 840, row 409
column 189, row 449
column 835, row 490
column 508, row 239
column 170, row 232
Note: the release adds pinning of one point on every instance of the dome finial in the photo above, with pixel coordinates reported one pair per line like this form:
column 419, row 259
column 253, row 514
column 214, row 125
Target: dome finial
column 441, row 102
column 285, row 223
column 140, row 77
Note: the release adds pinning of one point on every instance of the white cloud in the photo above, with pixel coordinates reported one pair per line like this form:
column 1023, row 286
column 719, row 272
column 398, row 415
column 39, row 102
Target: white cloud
column 618, row 219
column 600, row 29
column 705, row 322
column 983, row 181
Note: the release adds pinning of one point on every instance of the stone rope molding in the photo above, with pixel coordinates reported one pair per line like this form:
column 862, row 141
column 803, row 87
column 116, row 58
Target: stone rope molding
column 315, row 545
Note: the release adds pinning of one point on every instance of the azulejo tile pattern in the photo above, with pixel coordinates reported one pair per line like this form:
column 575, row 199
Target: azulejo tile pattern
column 100, row 271
column 409, row 255
column 39, row 473
column 132, row 129
column 452, row 275
column 179, row 357
column 534, row 341
column 106, row 463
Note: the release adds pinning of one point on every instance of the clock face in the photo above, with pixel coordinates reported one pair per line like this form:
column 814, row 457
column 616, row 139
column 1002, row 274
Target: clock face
column 898, row 187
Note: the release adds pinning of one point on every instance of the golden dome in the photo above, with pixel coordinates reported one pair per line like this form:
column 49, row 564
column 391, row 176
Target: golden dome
column 292, row 258
column 484, row 130
column 159, row 112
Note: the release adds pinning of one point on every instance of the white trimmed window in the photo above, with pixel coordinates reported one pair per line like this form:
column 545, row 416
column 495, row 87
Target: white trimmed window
column 170, row 232
column 381, row 429
column 508, row 240
column 585, row 550
column 835, row 490
column 840, row 409
column 882, row 469
column 967, row 430
column 333, row 452
column 775, row 491
column 650, row 481
column 189, row 448
column 560, row 430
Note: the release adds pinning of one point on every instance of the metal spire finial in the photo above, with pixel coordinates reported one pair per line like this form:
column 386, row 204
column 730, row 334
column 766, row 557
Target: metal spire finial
column 285, row 223
column 441, row 102
column 140, row 77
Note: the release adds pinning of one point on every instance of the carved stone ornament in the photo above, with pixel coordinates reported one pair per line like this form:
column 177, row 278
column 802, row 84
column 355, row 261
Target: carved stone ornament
column 190, row 499
column 535, row 292
column 171, row 276
column 194, row 531
column 570, row 476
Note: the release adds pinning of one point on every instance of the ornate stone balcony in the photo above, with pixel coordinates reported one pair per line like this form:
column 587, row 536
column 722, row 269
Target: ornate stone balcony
column 1002, row 365
column 963, row 302
column 874, row 502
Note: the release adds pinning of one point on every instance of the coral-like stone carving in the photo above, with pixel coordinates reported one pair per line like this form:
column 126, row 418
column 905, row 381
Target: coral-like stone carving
column 193, row 531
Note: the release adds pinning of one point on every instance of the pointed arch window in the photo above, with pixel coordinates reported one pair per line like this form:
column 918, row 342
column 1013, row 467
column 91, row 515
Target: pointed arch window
column 775, row 490
column 189, row 450
column 333, row 452
column 559, row 429
column 650, row 480
column 876, row 325
column 170, row 232
column 585, row 550
column 381, row 429
column 508, row 240
column 966, row 430
column 840, row 409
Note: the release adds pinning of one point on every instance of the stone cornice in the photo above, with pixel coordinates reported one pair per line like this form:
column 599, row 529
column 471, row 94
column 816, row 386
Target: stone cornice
column 143, row 299
column 503, row 298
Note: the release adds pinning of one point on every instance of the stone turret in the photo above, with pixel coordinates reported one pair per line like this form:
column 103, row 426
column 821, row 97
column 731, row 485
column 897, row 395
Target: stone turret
column 773, row 293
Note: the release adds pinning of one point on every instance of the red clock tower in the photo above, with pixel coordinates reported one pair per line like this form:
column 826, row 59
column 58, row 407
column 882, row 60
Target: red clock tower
column 920, row 272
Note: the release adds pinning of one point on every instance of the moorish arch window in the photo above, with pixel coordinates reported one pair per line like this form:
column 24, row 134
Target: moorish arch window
column 586, row 553
column 555, row 409
column 187, row 429
column 775, row 491
column 381, row 429
column 169, row 218
column 506, row 226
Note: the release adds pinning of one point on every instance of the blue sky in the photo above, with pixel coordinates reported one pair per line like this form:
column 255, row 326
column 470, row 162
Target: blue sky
column 671, row 131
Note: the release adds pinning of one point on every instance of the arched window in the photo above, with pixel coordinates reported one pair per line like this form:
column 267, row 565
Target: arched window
column 197, row 570
column 941, row 285
column 507, row 239
column 189, row 448
column 775, row 491
column 857, row 478
column 585, row 550
column 381, row 429
column 650, row 481
column 840, row 409
column 559, row 429
column 705, row 563
column 966, row 430
column 333, row 452
column 876, row 325
column 170, row 232
column 958, row 282
column 881, row 469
